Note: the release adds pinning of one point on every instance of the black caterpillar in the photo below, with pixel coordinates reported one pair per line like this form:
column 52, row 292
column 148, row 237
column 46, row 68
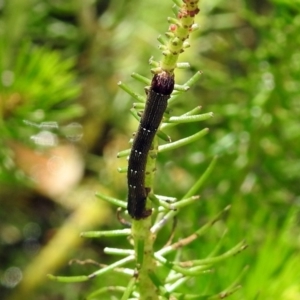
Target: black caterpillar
column 160, row 91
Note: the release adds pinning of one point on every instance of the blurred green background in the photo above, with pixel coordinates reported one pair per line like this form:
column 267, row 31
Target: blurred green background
column 63, row 120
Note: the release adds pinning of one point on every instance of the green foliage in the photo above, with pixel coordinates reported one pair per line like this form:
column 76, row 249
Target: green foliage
column 249, row 54
column 37, row 88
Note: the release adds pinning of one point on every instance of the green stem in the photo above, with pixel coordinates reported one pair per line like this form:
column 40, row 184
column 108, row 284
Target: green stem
column 143, row 244
column 142, row 236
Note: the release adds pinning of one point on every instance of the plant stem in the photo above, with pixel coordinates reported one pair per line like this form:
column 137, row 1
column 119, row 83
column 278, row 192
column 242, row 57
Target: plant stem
column 143, row 240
